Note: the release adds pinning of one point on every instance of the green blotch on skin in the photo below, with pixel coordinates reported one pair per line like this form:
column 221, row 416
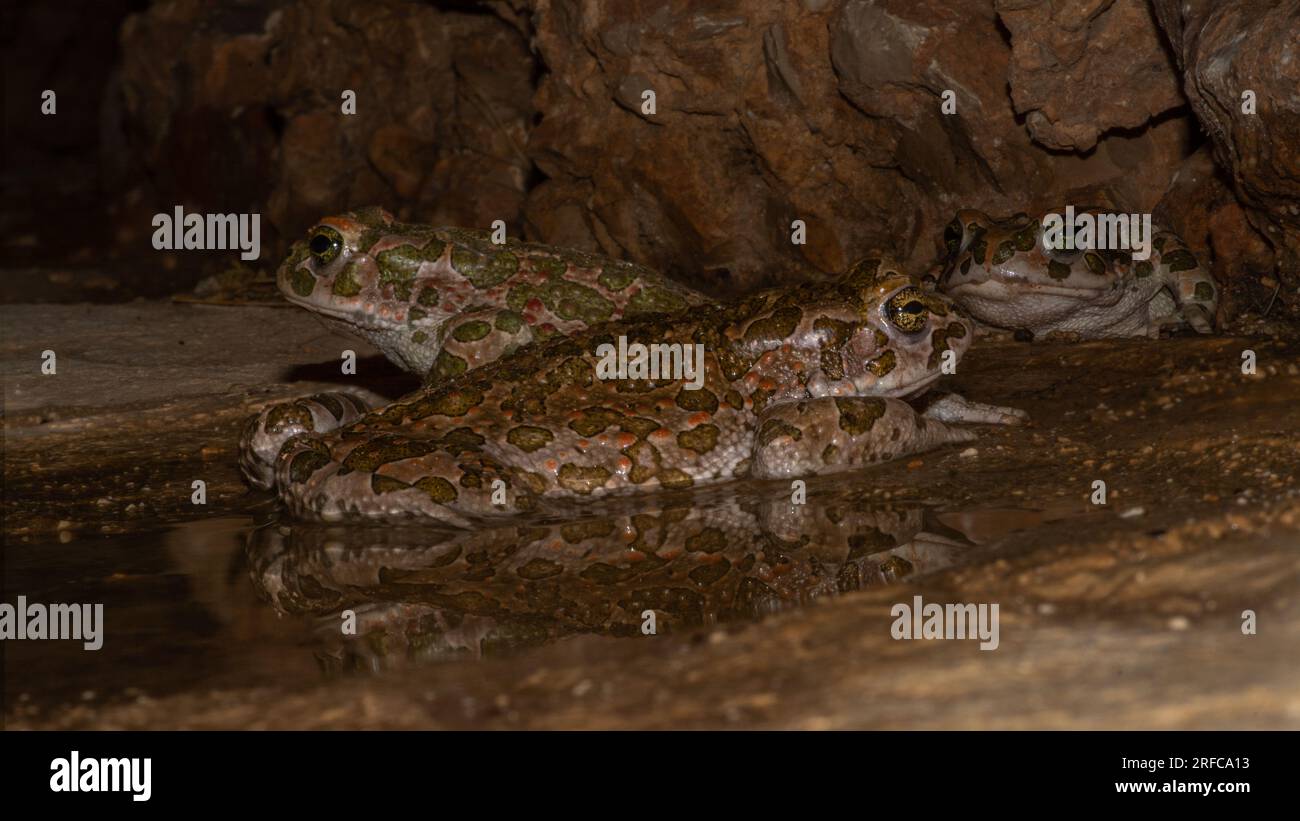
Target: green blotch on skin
column 697, row 400
column 1095, row 263
column 456, row 402
column 594, row 421
column 346, row 283
column 529, row 438
column 462, row 440
column 484, row 270
column 438, row 489
column 508, row 321
column 615, row 279
column 606, row 574
column 883, row 364
column 1204, row 292
column 302, row 282
column 570, row 300
column 550, row 266
column 965, row 266
column 652, row 299
column 675, row 479
column 331, row 404
column 706, row 574
column 368, row 456
column 701, row 439
column 416, row 314
column 859, row 414
column 939, row 344
column 1143, row 269
column 537, row 569
column 952, row 236
column 832, row 365
column 567, row 300
column 447, row 366
column 1180, row 260
column 776, row 327
column 638, row 426
column 428, row 296
column 863, row 273
column 581, row 480
column 836, row 331
column 1058, row 270
column 282, row 416
column 307, row 463
column 381, row 484
column 419, row 337
column 1026, row 238
column 1005, row 251
column 775, row 428
column 578, row 532
column 708, row 540
column 402, row 263
column 471, row 331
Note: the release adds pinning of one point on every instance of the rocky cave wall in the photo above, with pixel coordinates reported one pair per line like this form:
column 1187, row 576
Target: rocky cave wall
column 532, row 111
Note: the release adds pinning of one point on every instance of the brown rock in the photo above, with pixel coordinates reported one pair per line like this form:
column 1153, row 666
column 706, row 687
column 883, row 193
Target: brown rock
column 247, row 113
column 1081, row 68
column 1228, row 48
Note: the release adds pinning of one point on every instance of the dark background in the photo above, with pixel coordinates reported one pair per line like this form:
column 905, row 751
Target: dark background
column 530, row 112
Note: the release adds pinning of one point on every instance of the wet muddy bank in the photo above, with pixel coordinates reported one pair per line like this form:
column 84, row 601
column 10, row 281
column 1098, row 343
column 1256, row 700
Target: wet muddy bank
column 1122, row 614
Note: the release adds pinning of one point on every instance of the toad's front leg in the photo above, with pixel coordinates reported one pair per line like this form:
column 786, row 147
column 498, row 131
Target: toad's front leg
column 832, row 434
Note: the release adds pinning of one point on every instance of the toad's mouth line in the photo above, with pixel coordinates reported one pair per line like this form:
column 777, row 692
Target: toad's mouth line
column 355, row 318
column 1007, row 290
column 913, row 388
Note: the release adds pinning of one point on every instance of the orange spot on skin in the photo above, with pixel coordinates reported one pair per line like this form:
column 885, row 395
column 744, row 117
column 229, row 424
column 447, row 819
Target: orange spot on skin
column 552, row 465
column 914, row 464
column 623, row 464
column 625, row 440
column 664, row 404
column 343, row 224
column 583, row 444
column 661, row 433
column 767, row 384
column 698, row 418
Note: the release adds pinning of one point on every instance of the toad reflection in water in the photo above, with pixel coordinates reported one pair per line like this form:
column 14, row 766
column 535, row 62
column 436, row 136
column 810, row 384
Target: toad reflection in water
column 426, row 595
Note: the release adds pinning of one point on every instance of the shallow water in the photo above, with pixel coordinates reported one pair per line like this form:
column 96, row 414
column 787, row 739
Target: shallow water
column 231, row 602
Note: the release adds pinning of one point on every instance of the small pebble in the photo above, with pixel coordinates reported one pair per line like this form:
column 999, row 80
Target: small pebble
column 968, row 453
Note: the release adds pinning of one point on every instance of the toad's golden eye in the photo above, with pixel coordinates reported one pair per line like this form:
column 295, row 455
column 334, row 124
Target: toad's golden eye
column 906, row 310
column 325, row 244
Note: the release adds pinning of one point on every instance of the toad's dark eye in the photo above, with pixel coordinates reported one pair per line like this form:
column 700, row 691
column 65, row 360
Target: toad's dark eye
column 325, row 244
column 907, row 311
